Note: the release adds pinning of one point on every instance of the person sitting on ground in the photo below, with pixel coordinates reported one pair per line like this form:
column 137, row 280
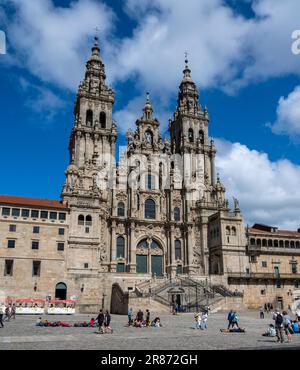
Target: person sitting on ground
column 271, row 332
column 39, row 322
column 233, row 330
column 295, row 326
column 156, row 323
column 92, row 323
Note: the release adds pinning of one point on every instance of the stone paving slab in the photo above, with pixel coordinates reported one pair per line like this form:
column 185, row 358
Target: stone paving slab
column 177, row 333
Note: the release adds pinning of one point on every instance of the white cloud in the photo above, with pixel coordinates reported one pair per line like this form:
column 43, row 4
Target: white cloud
column 268, row 191
column 41, row 100
column 52, row 42
column 288, row 115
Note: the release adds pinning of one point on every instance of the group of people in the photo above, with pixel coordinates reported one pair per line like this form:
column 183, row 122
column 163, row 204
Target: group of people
column 201, row 320
column 91, row 324
column 103, row 320
column 139, row 321
column 283, row 326
column 7, row 312
column 233, row 324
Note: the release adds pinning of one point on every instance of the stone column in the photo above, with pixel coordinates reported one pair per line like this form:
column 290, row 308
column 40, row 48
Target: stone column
column 149, row 241
column 132, row 249
column 190, row 248
column 172, row 248
column 113, row 263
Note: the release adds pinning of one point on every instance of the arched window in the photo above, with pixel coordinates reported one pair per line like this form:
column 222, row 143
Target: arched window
column 177, row 214
column 102, row 119
column 281, row 244
column 297, row 245
column 191, row 135
column 252, row 241
column 292, row 244
column 177, row 250
column 275, row 243
column 287, row 244
column 150, row 209
column 270, row 243
column 80, row 220
column 88, row 220
column 61, row 291
column 258, row 242
column 227, row 230
column 150, row 181
column 233, row 231
column 120, row 247
column 121, row 209
column 201, row 137
column 264, row 242
column 89, row 117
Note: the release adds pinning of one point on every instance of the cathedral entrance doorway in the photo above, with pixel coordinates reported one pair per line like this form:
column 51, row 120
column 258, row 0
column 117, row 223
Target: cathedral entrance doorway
column 149, row 257
column 61, row 291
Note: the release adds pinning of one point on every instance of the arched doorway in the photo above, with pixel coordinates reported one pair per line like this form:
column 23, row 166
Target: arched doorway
column 149, row 257
column 61, row 291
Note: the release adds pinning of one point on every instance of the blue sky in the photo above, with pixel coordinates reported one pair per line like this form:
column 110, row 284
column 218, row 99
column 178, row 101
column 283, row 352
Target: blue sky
column 241, row 59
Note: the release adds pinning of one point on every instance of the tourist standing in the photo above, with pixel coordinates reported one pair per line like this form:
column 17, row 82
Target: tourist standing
column 129, row 316
column 148, row 318
column 100, row 319
column 261, row 313
column 279, row 326
column 229, row 318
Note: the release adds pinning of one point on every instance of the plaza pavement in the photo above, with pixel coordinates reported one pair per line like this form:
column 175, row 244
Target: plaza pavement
column 177, row 333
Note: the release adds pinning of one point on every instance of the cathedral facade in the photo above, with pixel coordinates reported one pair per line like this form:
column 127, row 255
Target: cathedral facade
column 156, row 214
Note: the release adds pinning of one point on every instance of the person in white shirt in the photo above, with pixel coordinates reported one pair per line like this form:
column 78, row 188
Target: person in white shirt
column 204, row 321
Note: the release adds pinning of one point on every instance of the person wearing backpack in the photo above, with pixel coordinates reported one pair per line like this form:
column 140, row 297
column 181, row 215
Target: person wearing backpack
column 287, row 325
column 229, row 318
column 279, row 326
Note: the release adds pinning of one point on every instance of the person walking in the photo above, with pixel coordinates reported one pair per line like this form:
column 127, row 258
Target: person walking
column 7, row 313
column 204, row 320
column 100, row 319
column 129, row 316
column 279, row 326
column 229, row 318
column 261, row 313
column 13, row 312
column 1, row 317
column 235, row 320
column 287, row 325
column 107, row 320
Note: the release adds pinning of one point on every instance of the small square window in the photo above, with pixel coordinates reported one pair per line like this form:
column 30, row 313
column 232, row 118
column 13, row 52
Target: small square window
column 264, row 264
column 12, row 228
column 53, row 215
column 61, row 216
column 86, row 265
column 61, row 231
column 253, row 259
column 15, row 212
column 87, row 230
column 44, row 214
column 278, row 284
column 5, row 211
column 35, row 245
column 36, row 230
column 120, row 267
column 263, row 292
column 34, row 213
column 60, row 246
column 11, row 244
column 25, row 213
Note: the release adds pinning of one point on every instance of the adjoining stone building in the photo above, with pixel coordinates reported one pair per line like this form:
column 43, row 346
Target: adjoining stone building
column 147, row 229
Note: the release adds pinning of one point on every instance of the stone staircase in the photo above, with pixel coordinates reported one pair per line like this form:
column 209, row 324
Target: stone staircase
column 195, row 293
